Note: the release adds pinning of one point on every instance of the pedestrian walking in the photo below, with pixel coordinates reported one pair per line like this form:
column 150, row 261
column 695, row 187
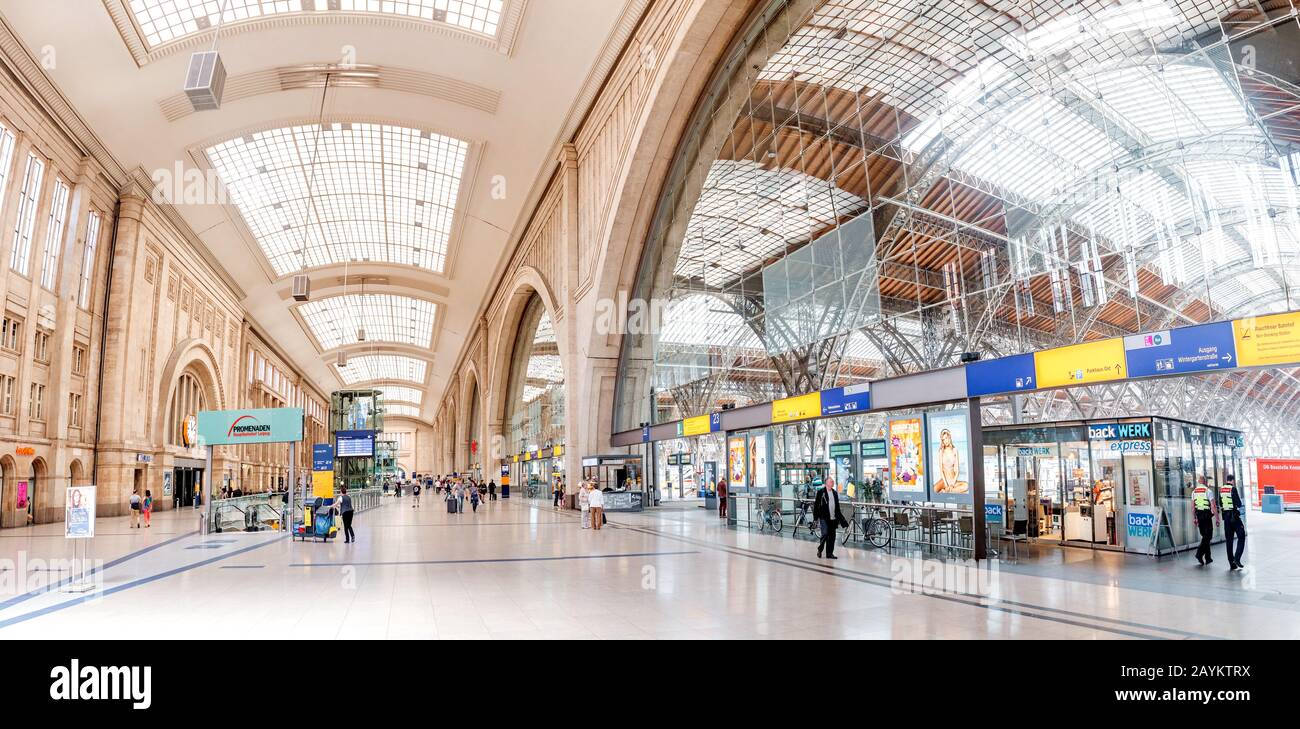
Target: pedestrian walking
column 345, row 508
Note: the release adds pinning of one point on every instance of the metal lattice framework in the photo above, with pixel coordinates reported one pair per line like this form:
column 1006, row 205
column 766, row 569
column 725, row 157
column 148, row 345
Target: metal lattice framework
column 1036, row 173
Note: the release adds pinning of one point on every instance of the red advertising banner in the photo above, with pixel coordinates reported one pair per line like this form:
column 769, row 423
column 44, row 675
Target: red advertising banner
column 1283, row 474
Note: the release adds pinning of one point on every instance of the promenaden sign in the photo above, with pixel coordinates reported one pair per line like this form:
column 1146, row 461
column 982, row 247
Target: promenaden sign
column 265, row 425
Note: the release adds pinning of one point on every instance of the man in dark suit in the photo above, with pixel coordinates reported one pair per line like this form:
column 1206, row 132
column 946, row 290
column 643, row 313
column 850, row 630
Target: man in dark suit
column 826, row 510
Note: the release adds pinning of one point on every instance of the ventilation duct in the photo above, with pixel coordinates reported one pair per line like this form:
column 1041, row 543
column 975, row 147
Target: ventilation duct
column 301, row 287
column 205, row 80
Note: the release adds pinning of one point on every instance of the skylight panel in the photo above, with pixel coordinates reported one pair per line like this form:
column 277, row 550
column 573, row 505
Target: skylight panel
column 746, row 213
column 1037, row 150
column 1072, row 29
column 335, row 321
column 374, row 367
column 399, row 409
column 379, row 193
column 401, row 394
column 163, row 21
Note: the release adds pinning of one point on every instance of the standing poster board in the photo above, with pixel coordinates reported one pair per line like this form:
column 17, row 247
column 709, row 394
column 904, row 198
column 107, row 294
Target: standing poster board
column 79, row 519
column 907, row 458
column 948, row 437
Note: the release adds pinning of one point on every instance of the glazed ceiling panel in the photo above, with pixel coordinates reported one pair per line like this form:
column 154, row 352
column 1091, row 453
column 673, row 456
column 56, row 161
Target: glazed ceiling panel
column 335, row 321
column 163, row 21
column 375, row 367
column 401, row 394
column 409, row 411
column 347, row 192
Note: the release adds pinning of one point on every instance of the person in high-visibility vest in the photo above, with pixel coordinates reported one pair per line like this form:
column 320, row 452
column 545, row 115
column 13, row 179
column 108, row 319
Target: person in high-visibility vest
column 1203, row 504
column 1234, row 529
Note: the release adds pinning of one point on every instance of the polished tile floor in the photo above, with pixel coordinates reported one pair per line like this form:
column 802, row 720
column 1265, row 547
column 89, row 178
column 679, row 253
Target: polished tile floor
column 519, row 569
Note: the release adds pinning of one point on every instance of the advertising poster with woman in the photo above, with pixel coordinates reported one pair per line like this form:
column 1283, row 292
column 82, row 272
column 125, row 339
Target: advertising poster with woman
column 948, row 434
column 735, row 464
column 758, row 465
column 907, row 458
column 79, row 521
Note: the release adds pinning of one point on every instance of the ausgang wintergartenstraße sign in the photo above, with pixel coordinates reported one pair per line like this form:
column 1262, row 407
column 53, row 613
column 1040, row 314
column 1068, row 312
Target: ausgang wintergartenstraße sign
column 265, row 425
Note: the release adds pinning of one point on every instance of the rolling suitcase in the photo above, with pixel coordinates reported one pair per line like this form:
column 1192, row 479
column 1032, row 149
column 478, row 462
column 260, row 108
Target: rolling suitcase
column 451, row 506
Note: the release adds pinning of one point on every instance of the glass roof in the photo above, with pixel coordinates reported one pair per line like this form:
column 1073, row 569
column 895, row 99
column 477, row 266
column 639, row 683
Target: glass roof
column 378, row 193
column 401, row 394
column 409, row 411
column 747, row 213
column 373, row 367
column 385, row 317
column 162, row 21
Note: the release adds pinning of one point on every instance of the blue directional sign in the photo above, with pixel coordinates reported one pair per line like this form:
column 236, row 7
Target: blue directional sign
column 322, row 457
column 842, row 400
column 715, row 422
column 1181, row 351
column 1005, row 374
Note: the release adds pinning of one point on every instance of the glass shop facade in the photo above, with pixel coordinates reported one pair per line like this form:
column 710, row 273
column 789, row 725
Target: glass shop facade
column 1123, row 485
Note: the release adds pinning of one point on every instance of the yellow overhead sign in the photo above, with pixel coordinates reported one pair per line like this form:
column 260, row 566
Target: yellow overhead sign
column 796, row 408
column 1267, row 340
column 1081, row 364
column 696, row 426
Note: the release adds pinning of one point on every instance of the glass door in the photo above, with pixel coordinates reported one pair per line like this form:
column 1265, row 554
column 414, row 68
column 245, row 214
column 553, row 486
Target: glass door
column 1093, row 506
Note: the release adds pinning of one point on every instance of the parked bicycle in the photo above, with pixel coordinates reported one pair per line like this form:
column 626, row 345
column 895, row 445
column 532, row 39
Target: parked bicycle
column 871, row 524
column 769, row 516
column 806, row 520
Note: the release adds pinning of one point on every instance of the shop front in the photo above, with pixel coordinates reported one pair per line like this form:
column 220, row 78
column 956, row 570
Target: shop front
column 533, row 474
column 1122, row 484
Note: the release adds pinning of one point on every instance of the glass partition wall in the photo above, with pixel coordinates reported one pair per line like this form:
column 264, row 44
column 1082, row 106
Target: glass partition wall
column 1122, row 484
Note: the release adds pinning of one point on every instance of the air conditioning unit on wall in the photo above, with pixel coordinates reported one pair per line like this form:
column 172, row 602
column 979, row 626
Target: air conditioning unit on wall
column 301, row 287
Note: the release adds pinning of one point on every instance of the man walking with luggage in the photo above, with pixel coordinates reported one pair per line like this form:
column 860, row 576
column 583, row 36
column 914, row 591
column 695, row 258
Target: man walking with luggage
column 345, row 508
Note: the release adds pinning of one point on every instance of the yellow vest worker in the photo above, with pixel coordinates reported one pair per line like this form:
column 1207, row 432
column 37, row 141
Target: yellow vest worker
column 1234, row 529
column 1202, row 503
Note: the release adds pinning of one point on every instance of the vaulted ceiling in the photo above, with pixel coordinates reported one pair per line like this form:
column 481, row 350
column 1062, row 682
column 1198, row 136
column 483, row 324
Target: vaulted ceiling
column 439, row 119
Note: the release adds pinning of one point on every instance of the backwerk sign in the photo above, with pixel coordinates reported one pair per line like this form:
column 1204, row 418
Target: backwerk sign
column 238, row 427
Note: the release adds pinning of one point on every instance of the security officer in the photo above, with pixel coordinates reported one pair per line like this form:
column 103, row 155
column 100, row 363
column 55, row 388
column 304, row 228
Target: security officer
column 1203, row 503
column 1233, row 528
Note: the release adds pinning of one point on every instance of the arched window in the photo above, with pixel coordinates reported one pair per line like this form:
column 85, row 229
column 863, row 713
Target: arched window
column 188, row 399
column 536, row 393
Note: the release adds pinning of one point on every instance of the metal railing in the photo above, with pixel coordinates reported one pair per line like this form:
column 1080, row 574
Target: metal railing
column 870, row 524
column 265, row 511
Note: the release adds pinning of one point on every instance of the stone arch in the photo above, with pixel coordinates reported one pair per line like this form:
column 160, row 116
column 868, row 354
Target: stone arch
column 709, row 27
column 8, row 494
column 527, row 281
column 76, row 473
column 41, row 493
column 471, row 395
column 194, row 356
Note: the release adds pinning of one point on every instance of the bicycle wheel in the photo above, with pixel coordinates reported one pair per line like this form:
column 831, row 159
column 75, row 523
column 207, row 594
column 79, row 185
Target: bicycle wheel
column 877, row 532
column 848, row 533
column 777, row 523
